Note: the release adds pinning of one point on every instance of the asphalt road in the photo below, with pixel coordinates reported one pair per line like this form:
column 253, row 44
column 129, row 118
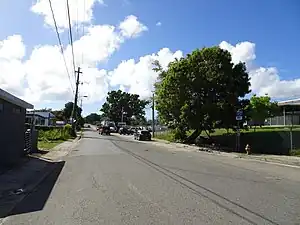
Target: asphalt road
column 114, row 180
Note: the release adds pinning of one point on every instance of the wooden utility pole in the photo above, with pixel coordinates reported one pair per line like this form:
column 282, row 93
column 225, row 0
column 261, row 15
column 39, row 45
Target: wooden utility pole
column 74, row 114
column 122, row 116
column 153, row 123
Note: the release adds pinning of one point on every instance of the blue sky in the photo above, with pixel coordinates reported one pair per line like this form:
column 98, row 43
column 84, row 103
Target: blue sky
column 273, row 26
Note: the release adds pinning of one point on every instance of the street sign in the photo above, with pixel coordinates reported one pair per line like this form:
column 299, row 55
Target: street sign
column 239, row 118
column 239, row 115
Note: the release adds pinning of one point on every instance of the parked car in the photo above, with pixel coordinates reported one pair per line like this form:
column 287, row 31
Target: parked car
column 113, row 129
column 142, row 135
column 124, row 130
column 132, row 130
column 104, row 130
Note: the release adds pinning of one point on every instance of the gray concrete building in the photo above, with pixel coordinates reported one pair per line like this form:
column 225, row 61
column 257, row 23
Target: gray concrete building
column 12, row 127
column 290, row 114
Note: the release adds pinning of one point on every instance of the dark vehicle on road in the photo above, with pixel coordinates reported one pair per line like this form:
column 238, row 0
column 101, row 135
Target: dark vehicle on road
column 124, row 131
column 104, row 130
column 142, row 135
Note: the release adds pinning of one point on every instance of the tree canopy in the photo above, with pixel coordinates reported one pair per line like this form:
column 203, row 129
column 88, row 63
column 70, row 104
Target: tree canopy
column 201, row 91
column 261, row 108
column 131, row 105
column 67, row 111
column 93, row 118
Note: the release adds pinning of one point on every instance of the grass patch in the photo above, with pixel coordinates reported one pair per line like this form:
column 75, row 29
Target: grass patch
column 47, row 145
column 264, row 140
column 295, row 152
column 167, row 136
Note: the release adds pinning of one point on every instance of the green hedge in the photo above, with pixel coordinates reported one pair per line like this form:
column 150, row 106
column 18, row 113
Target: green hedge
column 54, row 134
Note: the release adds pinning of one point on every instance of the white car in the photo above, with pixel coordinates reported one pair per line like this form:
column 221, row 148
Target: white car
column 113, row 129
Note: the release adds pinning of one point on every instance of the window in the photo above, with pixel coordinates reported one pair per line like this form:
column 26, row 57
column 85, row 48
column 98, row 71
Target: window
column 17, row 110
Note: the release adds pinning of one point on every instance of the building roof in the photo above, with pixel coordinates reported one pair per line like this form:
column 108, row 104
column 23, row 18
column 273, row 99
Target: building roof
column 290, row 102
column 14, row 100
column 41, row 114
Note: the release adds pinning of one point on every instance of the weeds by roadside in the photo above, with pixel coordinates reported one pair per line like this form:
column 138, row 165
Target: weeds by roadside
column 50, row 138
column 295, row 152
column 47, row 145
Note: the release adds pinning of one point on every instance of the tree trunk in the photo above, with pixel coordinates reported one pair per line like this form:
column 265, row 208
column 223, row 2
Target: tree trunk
column 192, row 137
column 207, row 134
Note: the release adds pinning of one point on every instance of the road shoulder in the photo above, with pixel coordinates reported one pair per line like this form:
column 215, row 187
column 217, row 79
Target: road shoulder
column 288, row 161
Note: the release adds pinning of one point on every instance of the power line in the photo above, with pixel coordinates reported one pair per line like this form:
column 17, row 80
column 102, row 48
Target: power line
column 77, row 32
column 60, row 44
column 71, row 37
column 82, row 55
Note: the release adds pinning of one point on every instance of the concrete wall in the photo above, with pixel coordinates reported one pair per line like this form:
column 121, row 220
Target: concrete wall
column 12, row 128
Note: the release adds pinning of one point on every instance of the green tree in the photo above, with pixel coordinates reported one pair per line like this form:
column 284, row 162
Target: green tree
column 67, row 112
column 118, row 102
column 59, row 116
column 261, row 108
column 93, row 118
column 201, row 91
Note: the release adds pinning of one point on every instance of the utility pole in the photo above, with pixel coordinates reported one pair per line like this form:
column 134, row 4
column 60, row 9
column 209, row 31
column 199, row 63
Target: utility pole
column 122, row 116
column 153, row 123
column 73, row 114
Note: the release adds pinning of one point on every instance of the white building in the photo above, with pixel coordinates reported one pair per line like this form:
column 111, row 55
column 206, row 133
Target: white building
column 40, row 118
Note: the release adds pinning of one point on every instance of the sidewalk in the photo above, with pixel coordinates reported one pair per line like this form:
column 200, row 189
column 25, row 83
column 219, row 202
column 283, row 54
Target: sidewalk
column 18, row 182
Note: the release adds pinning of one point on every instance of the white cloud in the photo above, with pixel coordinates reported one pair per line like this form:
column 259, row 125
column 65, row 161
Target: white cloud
column 81, row 11
column 12, row 71
column 242, row 52
column 43, row 76
column 263, row 79
column 97, row 45
column 12, row 48
column 131, row 27
column 158, row 24
column 138, row 77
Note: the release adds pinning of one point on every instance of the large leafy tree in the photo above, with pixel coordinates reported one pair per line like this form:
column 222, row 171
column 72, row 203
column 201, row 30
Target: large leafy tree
column 130, row 104
column 93, row 118
column 201, row 91
column 67, row 111
column 59, row 115
column 261, row 108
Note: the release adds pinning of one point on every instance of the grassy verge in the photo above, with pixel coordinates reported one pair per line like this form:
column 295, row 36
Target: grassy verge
column 264, row 140
column 48, row 139
column 295, row 152
column 47, row 145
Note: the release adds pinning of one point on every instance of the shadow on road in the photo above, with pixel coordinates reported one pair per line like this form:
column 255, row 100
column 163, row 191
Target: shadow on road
column 36, row 200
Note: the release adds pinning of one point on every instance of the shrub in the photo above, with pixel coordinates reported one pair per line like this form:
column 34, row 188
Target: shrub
column 68, row 130
column 55, row 134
